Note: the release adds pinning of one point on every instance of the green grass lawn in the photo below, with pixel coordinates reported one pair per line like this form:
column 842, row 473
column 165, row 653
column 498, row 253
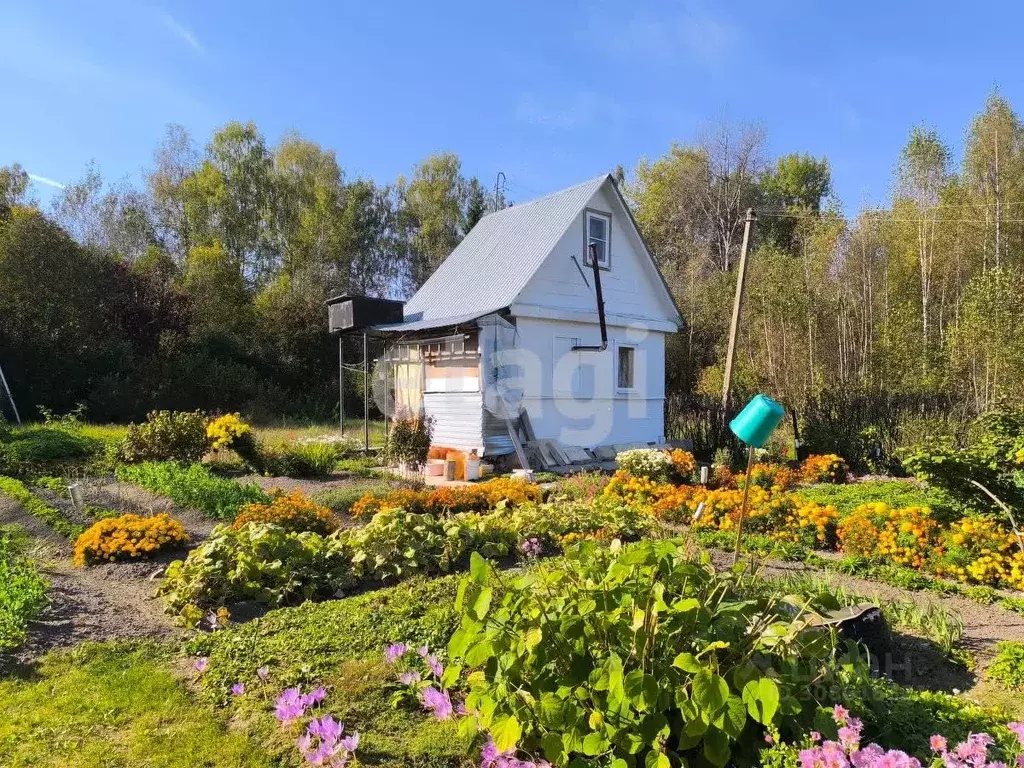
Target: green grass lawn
column 138, row 704
column 114, row 705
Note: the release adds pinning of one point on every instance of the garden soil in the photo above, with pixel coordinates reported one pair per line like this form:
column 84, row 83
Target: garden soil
column 107, row 602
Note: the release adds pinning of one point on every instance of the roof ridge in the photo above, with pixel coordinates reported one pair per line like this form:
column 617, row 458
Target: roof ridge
column 544, row 198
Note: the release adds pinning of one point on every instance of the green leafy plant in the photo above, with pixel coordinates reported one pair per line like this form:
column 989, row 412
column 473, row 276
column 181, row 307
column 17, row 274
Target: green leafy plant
column 637, row 654
column 38, row 508
column 194, row 486
column 22, row 591
column 166, row 436
column 409, row 439
column 1008, row 666
column 270, row 565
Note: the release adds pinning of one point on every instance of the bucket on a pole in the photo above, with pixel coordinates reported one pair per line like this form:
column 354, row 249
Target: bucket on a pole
column 753, row 425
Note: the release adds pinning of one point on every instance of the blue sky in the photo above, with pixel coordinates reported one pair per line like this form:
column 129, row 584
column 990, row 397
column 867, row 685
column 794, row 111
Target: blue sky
column 549, row 92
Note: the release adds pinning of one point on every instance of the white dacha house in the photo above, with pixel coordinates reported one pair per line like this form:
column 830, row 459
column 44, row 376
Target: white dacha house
column 512, row 322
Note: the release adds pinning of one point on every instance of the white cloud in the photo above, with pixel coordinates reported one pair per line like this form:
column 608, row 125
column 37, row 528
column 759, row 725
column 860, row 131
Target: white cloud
column 180, row 31
column 44, row 180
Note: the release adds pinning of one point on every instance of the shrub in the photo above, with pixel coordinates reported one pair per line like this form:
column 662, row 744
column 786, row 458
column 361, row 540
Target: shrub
column 38, row 508
column 194, row 486
column 635, row 654
column 225, row 430
column 647, row 463
column 294, row 512
column 29, row 450
column 22, row 591
column 165, row 436
column 409, row 439
column 827, row 468
column 128, row 537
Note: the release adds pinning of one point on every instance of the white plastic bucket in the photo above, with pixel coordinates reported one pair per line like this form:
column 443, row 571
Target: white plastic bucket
column 472, row 469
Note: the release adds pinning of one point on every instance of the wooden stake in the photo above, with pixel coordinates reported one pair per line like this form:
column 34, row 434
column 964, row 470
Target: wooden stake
column 743, row 506
column 734, row 327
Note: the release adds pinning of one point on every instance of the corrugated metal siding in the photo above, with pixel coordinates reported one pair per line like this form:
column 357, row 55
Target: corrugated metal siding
column 458, row 419
column 496, row 260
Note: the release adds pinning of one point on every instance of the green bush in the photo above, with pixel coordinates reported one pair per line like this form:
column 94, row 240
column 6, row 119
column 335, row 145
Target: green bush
column 38, row 508
column 34, row 448
column 22, row 591
column 166, row 436
column 409, row 439
column 636, row 654
column 1008, row 666
column 193, row 486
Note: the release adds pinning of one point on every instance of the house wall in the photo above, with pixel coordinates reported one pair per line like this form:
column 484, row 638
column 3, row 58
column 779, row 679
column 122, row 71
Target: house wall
column 633, row 293
column 572, row 396
column 458, row 419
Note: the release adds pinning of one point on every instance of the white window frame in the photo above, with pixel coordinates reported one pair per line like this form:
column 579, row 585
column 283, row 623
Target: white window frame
column 588, row 215
column 618, row 367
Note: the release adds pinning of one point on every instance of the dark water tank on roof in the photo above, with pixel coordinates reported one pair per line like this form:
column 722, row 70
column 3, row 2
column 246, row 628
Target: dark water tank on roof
column 350, row 313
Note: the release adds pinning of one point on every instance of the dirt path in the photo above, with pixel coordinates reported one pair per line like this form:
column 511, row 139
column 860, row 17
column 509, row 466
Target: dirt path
column 102, row 603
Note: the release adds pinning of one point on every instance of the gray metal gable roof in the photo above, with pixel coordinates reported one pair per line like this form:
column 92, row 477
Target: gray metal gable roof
column 495, row 261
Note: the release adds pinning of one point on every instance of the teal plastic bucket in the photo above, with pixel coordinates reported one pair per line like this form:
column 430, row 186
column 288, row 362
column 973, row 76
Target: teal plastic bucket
column 755, row 423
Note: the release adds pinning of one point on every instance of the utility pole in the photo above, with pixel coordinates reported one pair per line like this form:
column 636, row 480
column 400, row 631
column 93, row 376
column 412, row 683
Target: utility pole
column 734, row 327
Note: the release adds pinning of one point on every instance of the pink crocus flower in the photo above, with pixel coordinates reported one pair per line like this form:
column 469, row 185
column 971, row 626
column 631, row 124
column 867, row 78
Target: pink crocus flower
column 263, row 673
column 237, row 689
column 200, row 664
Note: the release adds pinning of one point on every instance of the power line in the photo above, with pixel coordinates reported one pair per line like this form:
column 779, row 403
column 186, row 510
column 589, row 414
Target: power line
column 888, row 217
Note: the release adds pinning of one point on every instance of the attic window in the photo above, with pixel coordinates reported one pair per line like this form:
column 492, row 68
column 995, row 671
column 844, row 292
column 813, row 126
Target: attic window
column 598, row 229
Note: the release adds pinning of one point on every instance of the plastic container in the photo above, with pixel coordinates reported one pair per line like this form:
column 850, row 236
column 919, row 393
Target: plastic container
column 460, row 464
column 756, row 422
column 486, row 470
column 434, row 467
column 449, row 469
column 472, row 468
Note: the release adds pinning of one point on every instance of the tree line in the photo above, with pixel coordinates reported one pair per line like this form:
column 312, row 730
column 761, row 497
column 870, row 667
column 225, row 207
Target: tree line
column 206, row 287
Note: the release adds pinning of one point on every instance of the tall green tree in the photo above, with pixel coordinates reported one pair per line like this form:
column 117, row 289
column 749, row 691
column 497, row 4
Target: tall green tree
column 433, row 205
